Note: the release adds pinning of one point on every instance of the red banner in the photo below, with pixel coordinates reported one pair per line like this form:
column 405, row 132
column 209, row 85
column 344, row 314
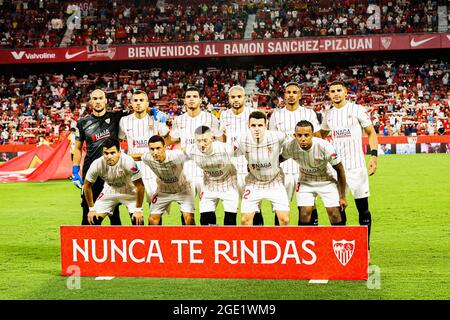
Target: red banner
column 227, row 48
column 322, row 253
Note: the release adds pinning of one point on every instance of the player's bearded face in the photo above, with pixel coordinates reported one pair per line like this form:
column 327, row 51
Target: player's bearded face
column 204, row 142
column 111, row 155
column 258, row 128
column 192, row 100
column 292, row 95
column 139, row 103
column 236, row 98
column 304, row 136
column 337, row 93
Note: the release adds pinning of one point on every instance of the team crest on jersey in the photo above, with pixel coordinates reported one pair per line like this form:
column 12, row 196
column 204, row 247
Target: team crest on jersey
column 343, row 250
column 108, row 120
column 334, row 156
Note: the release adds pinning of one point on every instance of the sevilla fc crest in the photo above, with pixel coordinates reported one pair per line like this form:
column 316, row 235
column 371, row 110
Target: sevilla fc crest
column 344, row 250
column 386, row 42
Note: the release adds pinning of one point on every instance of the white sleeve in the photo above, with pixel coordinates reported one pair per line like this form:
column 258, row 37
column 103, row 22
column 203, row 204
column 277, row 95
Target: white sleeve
column 93, row 172
column 330, row 153
column 132, row 169
column 363, row 117
column 215, row 127
column 273, row 122
column 122, row 134
column 175, row 131
column 324, row 125
column 315, row 122
column 287, row 152
column 163, row 129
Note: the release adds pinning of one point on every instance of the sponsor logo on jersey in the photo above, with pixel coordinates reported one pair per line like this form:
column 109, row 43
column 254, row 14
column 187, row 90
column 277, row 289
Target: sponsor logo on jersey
column 259, row 166
column 102, row 135
column 342, row 133
column 140, row 143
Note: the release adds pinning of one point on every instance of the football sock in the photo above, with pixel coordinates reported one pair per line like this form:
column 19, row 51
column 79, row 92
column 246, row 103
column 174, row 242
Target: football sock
column 207, row 218
column 343, row 217
column 314, row 217
column 182, row 220
column 258, row 219
column 115, row 218
column 229, row 219
column 277, row 222
column 365, row 217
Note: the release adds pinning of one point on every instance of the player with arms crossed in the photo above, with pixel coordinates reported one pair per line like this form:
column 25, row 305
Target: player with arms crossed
column 346, row 120
column 219, row 177
column 172, row 184
column 183, row 132
column 285, row 120
column 317, row 159
column 137, row 128
column 94, row 129
column 234, row 124
column 123, row 184
column 265, row 180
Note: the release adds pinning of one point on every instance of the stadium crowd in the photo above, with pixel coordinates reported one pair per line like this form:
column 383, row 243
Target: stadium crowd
column 35, row 23
column 403, row 98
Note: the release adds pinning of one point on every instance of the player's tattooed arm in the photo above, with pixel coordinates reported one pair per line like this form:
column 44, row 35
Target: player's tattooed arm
column 341, row 184
column 373, row 143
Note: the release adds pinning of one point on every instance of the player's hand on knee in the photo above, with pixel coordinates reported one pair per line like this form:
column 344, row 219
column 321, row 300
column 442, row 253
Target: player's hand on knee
column 91, row 215
column 343, row 203
column 138, row 217
column 76, row 178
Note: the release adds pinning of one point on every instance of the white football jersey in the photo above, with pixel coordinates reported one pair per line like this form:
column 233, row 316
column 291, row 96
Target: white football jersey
column 263, row 159
column 346, row 126
column 219, row 173
column 284, row 120
column 234, row 127
column 183, row 128
column 118, row 178
column 316, row 163
column 138, row 131
column 169, row 173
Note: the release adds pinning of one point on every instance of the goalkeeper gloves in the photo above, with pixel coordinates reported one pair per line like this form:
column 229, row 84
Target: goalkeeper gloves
column 159, row 115
column 76, row 178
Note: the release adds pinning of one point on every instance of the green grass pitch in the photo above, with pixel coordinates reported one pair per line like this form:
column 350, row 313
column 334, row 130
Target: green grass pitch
column 410, row 244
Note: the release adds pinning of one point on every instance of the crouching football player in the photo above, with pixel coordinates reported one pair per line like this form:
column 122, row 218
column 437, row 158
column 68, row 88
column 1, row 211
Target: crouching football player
column 123, row 184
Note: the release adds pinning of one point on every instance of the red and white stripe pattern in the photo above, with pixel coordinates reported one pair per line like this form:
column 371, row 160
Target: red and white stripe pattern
column 235, row 126
column 118, row 178
column 263, row 159
column 346, row 126
column 219, row 173
column 284, row 120
column 315, row 163
column 169, row 173
column 184, row 129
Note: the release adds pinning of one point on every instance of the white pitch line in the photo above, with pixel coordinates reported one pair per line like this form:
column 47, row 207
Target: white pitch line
column 104, row 278
column 318, row 281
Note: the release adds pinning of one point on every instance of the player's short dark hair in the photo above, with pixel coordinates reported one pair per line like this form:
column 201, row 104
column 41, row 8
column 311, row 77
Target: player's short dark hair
column 156, row 138
column 257, row 115
column 193, row 88
column 202, row 130
column 111, row 142
column 292, row 83
column 304, row 124
column 336, row 83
